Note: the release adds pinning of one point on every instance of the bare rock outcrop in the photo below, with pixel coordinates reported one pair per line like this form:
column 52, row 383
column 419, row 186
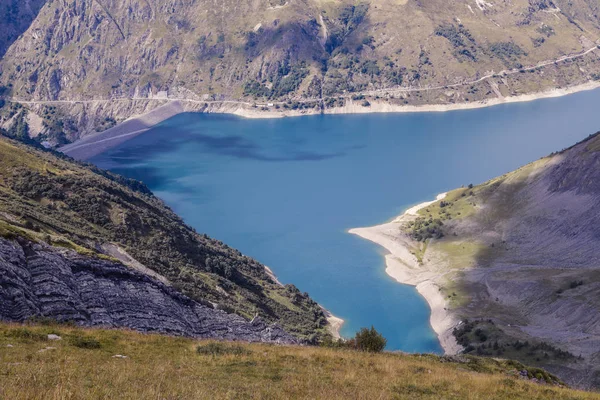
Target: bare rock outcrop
column 40, row 280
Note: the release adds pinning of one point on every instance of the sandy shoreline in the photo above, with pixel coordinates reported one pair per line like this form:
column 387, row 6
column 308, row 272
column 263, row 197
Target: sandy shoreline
column 403, row 266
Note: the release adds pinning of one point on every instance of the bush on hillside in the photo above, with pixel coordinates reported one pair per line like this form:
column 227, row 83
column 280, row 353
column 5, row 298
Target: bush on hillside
column 370, row 340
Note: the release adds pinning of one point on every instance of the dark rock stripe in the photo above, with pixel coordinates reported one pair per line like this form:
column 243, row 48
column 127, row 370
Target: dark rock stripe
column 39, row 280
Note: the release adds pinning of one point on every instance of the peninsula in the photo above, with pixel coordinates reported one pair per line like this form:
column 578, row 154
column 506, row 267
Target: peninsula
column 510, row 267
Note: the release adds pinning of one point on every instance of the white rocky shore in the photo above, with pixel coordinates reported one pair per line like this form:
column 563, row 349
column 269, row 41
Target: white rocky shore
column 403, row 266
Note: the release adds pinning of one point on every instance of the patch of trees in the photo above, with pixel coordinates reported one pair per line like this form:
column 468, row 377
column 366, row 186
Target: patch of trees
column 395, row 76
column 335, row 102
column 57, row 125
column 349, row 18
column 456, row 36
column 19, row 129
column 370, row 67
column 206, row 51
column 507, row 51
column 484, row 338
column 546, row 30
column 460, row 38
column 538, row 41
column 287, row 80
column 105, row 124
column 422, row 229
column 298, row 105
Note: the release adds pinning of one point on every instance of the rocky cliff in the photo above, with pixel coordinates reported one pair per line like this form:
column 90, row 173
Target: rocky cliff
column 37, row 280
column 297, row 55
column 15, row 18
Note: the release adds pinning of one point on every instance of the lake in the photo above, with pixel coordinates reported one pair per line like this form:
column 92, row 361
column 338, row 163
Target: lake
column 285, row 191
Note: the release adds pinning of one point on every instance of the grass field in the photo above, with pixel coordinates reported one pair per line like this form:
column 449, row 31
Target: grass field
column 82, row 365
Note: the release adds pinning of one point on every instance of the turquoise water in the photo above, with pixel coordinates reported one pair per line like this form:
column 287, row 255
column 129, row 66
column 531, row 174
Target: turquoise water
column 286, row 191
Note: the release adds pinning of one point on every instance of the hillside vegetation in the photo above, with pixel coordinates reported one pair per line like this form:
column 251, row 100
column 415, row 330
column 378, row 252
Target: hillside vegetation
column 517, row 260
column 299, row 56
column 101, row 364
column 53, row 201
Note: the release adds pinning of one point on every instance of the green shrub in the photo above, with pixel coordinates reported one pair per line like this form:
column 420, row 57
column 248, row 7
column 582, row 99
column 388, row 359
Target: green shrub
column 370, row 340
column 507, row 51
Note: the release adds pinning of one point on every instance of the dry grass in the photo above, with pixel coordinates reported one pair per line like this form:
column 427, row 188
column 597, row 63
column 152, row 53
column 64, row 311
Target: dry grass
column 82, row 366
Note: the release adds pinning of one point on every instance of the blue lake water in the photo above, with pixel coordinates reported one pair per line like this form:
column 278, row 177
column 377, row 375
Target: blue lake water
column 285, row 191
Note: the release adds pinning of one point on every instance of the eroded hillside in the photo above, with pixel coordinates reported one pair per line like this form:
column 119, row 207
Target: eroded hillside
column 115, row 230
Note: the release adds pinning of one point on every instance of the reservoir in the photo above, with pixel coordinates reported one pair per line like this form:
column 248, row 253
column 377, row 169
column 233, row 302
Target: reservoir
column 285, row 191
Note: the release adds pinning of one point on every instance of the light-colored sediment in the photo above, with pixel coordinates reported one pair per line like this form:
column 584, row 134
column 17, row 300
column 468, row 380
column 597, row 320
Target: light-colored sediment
column 382, row 106
column 404, row 267
column 335, row 324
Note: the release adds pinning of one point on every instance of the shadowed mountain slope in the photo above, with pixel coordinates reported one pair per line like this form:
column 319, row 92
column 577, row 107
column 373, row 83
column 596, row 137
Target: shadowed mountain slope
column 518, row 261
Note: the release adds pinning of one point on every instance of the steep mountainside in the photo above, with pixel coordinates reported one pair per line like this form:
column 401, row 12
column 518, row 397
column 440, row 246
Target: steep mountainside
column 48, row 204
column 15, row 18
column 297, row 55
column 517, row 260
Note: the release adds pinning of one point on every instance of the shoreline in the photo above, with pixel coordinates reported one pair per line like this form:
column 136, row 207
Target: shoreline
column 86, row 147
column 403, row 266
column 335, row 323
column 377, row 107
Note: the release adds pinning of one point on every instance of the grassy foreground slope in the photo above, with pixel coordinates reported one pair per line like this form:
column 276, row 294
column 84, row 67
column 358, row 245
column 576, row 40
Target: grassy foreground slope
column 83, row 366
column 63, row 204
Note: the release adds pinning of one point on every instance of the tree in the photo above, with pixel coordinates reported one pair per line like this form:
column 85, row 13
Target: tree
column 369, row 340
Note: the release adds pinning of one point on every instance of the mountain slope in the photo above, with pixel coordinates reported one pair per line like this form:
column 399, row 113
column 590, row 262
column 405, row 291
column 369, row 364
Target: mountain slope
column 48, row 203
column 15, row 18
column 516, row 262
column 82, row 365
column 40, row 281
column 300, row 55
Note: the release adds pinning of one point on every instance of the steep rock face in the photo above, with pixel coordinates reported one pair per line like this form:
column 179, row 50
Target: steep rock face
column 39, row 280
column 15, row 18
